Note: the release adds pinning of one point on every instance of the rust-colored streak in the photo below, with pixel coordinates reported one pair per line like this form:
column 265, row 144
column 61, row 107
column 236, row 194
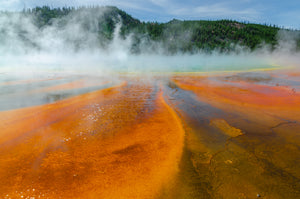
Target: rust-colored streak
column 236, row 137
column 105, row 144
column 21, row 121
column 248, row 149
column 244, row 96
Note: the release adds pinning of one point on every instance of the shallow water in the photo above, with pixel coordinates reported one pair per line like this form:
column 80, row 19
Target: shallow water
column 16, row 93
column 218, row 135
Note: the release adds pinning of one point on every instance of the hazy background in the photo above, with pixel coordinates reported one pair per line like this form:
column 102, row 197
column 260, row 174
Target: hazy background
column 66, row 44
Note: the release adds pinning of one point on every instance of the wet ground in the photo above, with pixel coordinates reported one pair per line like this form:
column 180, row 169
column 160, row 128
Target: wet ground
column 216, row 135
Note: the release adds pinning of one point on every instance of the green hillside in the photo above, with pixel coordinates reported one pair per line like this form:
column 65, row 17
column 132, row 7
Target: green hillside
column 174, row 36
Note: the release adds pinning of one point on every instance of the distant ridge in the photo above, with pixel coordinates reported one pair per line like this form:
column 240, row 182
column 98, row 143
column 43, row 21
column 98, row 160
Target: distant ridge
column 173, row 36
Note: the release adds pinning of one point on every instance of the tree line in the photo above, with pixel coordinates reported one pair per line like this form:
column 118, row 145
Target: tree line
column 175, row 35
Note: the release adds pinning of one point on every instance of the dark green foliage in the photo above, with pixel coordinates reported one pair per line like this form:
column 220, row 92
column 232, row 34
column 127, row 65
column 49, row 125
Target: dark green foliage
column 175, row 36
column 45, row 14
column 224, row 34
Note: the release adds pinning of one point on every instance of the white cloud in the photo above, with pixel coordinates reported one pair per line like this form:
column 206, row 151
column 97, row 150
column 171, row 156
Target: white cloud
column 216, row 10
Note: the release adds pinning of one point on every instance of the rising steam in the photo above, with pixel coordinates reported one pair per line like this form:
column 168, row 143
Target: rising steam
column 72, row 44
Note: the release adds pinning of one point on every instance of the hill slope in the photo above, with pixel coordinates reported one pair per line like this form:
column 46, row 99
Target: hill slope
column 174, row 36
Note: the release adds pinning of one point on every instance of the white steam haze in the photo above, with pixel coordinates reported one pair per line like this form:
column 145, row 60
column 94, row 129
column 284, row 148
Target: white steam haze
column 67, row 46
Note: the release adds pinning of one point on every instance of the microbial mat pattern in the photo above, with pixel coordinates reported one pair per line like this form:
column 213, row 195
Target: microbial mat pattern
column 197, row 135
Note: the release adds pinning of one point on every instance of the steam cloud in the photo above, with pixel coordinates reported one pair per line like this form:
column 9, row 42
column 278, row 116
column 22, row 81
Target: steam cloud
column 67, row 46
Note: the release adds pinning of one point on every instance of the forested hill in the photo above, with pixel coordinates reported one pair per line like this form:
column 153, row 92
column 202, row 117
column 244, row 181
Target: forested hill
column 173, row 36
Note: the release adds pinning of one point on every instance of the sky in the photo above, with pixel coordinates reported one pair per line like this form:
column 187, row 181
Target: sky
column 275, row 12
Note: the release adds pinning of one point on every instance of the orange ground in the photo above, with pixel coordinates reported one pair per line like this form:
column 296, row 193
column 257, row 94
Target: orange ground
column 89, row 146
column 55, row 151
column 245, row 97
column 161, row 137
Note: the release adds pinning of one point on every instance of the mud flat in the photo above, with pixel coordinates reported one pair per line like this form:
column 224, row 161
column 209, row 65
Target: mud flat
column 229, row 135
